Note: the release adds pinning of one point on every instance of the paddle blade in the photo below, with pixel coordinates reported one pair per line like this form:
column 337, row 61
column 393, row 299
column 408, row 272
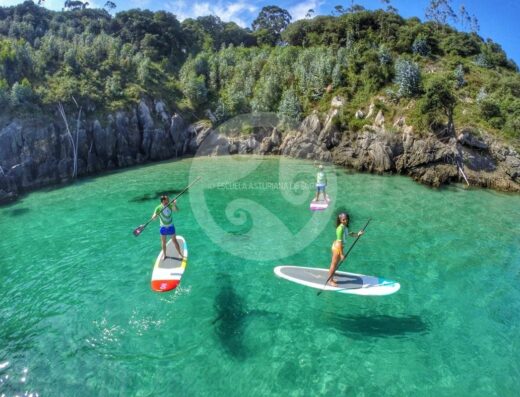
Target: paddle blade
column 138, row 230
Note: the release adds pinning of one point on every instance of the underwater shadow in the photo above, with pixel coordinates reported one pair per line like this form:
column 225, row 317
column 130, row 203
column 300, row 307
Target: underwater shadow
column 17, row 211
column 378, row 326
column 239, row 235
column 155, row 196
column 231, row 319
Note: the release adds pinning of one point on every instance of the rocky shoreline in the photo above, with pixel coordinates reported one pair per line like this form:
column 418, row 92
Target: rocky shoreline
column 39, row 152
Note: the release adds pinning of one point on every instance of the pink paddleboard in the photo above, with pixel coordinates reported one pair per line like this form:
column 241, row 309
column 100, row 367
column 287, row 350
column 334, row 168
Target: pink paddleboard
column 320, row 205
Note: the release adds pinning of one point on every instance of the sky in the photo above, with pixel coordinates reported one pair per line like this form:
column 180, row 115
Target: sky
column 498, row 19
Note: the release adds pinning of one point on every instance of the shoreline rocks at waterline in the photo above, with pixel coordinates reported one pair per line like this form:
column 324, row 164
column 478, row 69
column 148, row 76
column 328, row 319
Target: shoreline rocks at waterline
column 38, row 152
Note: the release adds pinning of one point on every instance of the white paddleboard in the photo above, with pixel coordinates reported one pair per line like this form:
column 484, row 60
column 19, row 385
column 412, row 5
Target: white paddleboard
column 348, row 283
column 321, row 204
column 167, row 272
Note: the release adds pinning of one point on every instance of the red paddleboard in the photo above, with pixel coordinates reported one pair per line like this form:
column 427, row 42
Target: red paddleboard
column 167, row 272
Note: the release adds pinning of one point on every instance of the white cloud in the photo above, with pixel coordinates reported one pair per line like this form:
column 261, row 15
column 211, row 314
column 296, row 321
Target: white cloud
column 7, row 3
column 95, row 4
column 300, row 10
column 238, row 11
column 56, row 5
column 144, row 4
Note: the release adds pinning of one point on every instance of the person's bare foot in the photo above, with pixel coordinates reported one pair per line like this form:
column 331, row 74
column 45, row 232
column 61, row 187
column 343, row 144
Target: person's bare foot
column 333, row 283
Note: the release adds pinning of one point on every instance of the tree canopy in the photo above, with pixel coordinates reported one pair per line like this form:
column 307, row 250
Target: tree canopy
column 270, row 23
column 110, row 62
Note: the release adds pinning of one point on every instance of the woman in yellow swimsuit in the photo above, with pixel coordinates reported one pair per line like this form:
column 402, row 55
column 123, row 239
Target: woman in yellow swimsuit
column 338, row 244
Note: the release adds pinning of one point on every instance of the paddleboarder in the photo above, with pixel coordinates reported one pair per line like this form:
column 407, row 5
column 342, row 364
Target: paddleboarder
column 321, row 183
column 342, row 232
column 164, row 212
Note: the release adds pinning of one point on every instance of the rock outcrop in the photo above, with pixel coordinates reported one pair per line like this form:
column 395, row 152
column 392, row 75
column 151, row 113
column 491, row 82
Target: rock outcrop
column 38, row 152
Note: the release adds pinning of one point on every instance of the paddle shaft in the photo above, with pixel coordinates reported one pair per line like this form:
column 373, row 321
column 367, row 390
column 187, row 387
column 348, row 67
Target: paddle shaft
column 139, row 229
column 348, row 252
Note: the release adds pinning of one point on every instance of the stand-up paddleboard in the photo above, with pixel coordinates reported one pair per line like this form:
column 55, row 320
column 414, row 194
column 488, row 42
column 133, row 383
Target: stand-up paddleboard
column 167, row 272
column 320, row 204
column 348, row 283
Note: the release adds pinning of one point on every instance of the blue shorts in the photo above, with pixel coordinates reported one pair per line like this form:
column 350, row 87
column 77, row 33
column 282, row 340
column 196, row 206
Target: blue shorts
column 167, row 230
column 320, row 187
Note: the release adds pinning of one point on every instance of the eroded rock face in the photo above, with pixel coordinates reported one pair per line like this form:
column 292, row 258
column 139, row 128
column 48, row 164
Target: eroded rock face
column 270, row 144
column 371, row 150
column 305, row 142
column 179, row 134
column 466, row 138
column 38, row 152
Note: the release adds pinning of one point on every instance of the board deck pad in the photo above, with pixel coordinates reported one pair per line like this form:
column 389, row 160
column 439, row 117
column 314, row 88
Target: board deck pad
column 167, row 272
column 348, row 283
column 321, row 204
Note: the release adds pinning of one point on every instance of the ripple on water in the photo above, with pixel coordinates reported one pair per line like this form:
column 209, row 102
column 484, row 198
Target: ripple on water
column 78, row 315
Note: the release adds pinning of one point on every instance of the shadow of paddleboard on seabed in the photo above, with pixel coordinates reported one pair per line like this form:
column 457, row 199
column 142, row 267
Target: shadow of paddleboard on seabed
column 154, row 196
column 16, row 212
column 379, row 326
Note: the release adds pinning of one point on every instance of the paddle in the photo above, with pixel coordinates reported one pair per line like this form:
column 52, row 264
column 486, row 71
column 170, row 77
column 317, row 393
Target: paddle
column 341, row 261
column 140, row 228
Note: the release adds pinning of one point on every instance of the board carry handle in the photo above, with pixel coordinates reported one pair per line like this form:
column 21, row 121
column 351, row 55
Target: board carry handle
column 139, row 229
column 348, row 252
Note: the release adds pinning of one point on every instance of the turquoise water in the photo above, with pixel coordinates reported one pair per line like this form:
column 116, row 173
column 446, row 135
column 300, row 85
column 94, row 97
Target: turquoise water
column 78, row 318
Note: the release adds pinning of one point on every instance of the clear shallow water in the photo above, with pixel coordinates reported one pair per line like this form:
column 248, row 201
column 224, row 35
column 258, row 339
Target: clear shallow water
column 78, row 318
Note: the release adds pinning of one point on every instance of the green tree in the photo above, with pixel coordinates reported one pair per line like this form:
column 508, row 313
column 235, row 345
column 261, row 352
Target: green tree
column 460, row 43
column 339, row 10
column 4, row 94
column 355, row 8
column 407, row 77
column 489, row 109
column 313, row 71
column 75, row 5
column 110, row 5
column 458, row 74
column 439, row 99
column 290, row 108
column 160, row 30
column 194, row 87
column 421, row 46
column 270, row 23
column 21, row 93
column 385, row 57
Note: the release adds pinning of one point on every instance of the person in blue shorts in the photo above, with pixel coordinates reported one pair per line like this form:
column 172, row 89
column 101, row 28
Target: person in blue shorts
column 321, row 184
column 164, row 212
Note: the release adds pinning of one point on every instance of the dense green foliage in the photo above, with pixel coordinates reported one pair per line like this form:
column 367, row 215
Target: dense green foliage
column 429, row 71
column 270, row 23
column 103, row 61
column 439, row 100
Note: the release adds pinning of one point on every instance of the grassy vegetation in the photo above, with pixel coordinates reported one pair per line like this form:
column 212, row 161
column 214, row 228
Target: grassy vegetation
column 401, row 65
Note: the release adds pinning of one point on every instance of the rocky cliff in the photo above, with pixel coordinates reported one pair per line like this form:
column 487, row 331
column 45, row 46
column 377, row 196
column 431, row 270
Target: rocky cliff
column 39, row 152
